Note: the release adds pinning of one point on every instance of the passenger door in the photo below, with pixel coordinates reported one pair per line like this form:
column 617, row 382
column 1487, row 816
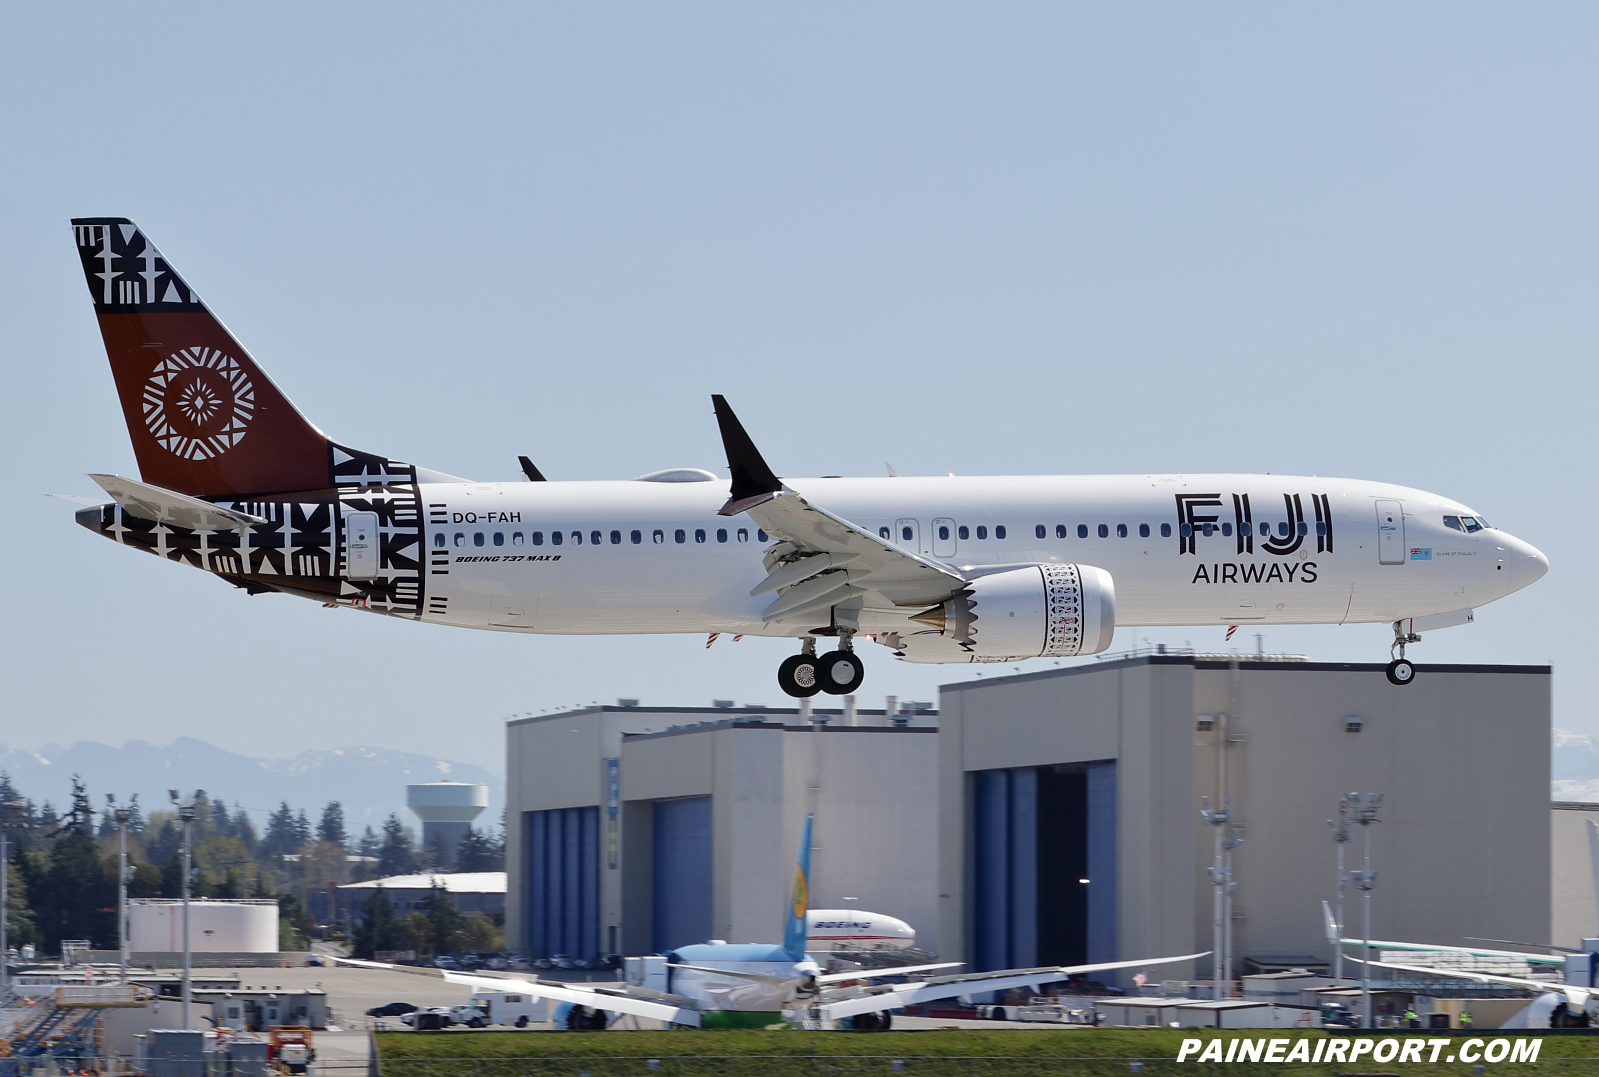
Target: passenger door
column 943, row 538
column 1390, row 533
column 361, row 545
column 907, row 534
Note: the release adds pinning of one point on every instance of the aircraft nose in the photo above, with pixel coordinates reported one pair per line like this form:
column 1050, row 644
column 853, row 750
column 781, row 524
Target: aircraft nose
column 1527, row 563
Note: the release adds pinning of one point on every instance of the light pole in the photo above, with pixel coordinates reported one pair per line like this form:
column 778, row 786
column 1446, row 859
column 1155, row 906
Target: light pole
column 123, row 816
column 1340, row 834
column 1365, row 879
column 186, row 813
column 1218, row 818
column 6, row 825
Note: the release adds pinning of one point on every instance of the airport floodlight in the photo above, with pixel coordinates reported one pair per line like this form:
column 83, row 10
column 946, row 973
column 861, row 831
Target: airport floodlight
column 173, row 793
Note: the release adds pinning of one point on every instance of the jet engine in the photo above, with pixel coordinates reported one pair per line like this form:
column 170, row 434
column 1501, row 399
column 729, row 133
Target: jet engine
column 1049, row 610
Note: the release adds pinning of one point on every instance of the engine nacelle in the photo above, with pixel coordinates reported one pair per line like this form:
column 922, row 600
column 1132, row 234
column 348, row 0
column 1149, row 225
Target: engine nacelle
column 1048, row 611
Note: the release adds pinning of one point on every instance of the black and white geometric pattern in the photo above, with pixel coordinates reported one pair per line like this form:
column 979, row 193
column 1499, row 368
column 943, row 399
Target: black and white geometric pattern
column 1063, row 610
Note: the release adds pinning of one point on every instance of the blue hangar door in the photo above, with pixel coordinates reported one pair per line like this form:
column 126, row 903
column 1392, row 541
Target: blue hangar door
column 682, row 872
column 563, row 883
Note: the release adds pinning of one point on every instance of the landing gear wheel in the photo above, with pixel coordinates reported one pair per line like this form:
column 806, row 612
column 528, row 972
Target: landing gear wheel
column 1401, row 672
column 583, row 1019
column 799, row 676
column 840, row 672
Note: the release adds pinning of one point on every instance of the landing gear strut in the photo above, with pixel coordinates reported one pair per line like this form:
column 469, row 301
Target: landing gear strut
column 1400, row 670
column 837, row 673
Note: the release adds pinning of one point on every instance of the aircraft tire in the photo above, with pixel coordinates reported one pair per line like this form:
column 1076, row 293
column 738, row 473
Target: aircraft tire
column 1401, row 672
column 800, row 676
column 840, row 672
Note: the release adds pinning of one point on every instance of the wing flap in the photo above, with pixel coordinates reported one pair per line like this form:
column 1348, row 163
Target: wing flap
column 583, row 995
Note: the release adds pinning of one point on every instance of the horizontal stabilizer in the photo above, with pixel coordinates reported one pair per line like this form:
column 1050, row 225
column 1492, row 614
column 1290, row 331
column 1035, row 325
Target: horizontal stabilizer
column 168, row 507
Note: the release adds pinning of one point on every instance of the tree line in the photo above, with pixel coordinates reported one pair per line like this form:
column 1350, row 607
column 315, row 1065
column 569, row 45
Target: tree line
column 63, row 877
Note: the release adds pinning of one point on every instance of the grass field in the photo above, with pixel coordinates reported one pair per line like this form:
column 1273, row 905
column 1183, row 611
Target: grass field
column 935, row 1053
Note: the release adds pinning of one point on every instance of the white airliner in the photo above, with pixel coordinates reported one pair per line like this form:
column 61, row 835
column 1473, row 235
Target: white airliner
column 846, row 931
column 950, row 569
column 755, row 985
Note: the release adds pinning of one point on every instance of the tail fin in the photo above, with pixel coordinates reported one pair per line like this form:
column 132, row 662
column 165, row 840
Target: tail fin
column 205, row 420
column 794, row 933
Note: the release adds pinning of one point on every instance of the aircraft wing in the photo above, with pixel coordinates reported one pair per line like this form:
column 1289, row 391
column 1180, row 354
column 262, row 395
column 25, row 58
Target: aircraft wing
column 831, row 559
column 656, row 1004
column 169, row 507
column 875, row 974
column 758, row 977
column 852, row 1001
column 1422, row 947
column 1575, row 994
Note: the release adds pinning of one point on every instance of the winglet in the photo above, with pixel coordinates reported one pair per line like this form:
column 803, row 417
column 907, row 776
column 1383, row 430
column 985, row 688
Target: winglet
column 799, row 901
column 753, row 481
column 533, row 474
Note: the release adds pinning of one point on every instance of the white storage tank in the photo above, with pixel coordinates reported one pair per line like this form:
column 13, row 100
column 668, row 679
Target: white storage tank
column 244, row 926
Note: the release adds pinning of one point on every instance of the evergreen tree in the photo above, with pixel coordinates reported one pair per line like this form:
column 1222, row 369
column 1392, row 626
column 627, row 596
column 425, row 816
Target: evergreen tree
column 398, row 855
column 280, row 836
column 444, row 922
column 22, row 928
column 370, row 844
column 244, row 829
column 376, row 930
column 48, row 819
column 438, row 855
column 302, row 830
column 221, row 820
column 331, row 828
column 479, row 852
column 78, row 902
column 8, row 792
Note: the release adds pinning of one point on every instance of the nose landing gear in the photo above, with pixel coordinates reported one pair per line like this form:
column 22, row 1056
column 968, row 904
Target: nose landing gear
column 1400, row 670
column 836, row 673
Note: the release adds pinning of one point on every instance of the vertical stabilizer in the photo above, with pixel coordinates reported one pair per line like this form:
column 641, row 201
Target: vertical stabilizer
column 799, row 901
column 204, row 418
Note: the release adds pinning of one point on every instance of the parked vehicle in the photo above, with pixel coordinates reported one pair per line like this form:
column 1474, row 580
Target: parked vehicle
column 511, row 1008
column 391, row 1009
column 446, row 1019
column 469, row 1015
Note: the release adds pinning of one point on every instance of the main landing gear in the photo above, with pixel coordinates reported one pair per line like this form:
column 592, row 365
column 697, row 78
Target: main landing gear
column 836, row 673
column 1400, row 670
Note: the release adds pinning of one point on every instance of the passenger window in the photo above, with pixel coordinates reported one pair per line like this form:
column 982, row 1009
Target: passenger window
column 1082, row 530
column 460, row 539
column 1104, row 531
column 1165, row 530
column 516, row 538
column 721, row 534
column 1186, row 530
column 1265, row 530
column 982, row 532
column 438, row 540
column 999, row 531
column 1038, row 531
column 905, row 534
column 555, row 538
column 680, row 535
column 943, row 532
column 760, row 535
column 1454, row 522
column 1321, row 528
column 743, row 534
column 1471, row 524
column 882, row 532
column 1227, row 529
column 1121, row 530
column 477, row 538
column 1303, row 529
column 538, row 538
column 616, row 538
column 963, row 532
column 636, row 536
column 499, row 538
column 1143, row 530
column 699, row 534
column 594, row 537
column 1060, row 530
column 577, row 538
column 659, row 536
column 1282, row 529
column 1208, row 529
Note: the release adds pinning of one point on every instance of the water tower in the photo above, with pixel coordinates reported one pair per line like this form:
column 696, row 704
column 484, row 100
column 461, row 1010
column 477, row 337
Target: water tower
column 446, row 809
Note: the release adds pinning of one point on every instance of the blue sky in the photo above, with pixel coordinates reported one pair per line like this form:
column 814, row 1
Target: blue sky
column 1026, row 238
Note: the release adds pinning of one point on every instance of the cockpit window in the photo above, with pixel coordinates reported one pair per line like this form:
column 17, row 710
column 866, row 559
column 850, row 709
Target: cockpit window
column 1470, row 524
column 1454, row 522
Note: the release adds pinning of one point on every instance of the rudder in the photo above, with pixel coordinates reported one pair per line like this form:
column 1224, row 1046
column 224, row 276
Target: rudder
column 205, row 420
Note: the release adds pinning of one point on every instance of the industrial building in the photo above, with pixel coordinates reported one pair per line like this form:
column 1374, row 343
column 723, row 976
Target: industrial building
column 1574, row 852
column 470, row 892
column 633, row 830
column 1070, row 825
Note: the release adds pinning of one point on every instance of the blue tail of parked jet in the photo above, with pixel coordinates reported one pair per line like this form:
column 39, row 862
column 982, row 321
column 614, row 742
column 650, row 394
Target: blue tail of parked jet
column 794, row 933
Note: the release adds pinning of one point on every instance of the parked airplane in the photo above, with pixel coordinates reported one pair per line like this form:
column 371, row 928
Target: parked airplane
column 236, row 482
column 753, row 985
column 850, row 930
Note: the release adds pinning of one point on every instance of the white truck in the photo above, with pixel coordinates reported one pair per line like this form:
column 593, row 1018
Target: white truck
column 511, row 1007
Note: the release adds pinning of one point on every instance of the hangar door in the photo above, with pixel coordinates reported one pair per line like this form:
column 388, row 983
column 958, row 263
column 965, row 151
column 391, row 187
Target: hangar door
column 1046, row 865
column 682, row 872
column 563, row 883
